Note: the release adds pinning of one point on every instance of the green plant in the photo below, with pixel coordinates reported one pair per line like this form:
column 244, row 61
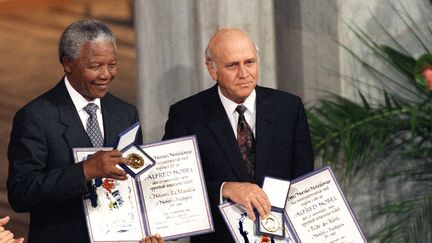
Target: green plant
column 388, row 139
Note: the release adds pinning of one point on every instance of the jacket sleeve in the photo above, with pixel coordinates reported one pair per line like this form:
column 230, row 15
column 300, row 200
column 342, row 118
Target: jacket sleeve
column 173, row 128
column 33, row 182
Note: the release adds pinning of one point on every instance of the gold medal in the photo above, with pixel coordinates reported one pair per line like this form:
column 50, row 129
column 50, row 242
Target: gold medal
column 270, row 223
column 136, row 161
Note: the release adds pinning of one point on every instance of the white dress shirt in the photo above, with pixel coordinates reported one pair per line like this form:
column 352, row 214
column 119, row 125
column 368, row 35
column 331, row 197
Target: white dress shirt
column 80, row 102
column 249, row 114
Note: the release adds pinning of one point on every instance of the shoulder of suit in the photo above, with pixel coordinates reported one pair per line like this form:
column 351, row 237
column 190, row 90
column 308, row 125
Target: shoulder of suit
column 197, row 98
column 278, row 95
column 114, row 100
column 115, row 106
column 43, row 102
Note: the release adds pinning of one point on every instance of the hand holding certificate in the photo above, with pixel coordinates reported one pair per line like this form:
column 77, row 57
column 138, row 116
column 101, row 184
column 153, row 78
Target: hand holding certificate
column 311, row 208
column 243, row 229
column 113, row 212
column 164, row 193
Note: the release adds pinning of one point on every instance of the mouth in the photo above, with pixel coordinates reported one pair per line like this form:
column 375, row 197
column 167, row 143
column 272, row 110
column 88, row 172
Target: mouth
column 101, row 84
column 246, row 84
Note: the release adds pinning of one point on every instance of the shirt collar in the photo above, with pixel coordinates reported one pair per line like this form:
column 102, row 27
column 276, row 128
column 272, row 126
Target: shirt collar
column 79, row 101
column 230, row 105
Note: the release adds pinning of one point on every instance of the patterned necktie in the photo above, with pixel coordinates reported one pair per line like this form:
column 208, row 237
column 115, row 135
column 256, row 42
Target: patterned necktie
column 96, row 138
column 93, row 129
column 246, row 141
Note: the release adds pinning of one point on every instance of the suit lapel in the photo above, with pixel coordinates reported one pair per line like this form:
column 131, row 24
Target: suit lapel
column 110, row 122
column 74, row 133
column 222, row 131
column 265, row 118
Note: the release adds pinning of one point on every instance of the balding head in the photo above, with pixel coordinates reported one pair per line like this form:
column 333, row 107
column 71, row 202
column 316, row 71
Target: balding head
column 231, row 59
column 223, row 36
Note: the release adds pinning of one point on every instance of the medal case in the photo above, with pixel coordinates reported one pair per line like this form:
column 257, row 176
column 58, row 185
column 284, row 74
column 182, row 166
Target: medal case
column 277, row 192
column 140, row 161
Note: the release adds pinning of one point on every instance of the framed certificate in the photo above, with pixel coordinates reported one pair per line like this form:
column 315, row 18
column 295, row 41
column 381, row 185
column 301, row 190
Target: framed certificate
column 317, row 210
column 168, row 198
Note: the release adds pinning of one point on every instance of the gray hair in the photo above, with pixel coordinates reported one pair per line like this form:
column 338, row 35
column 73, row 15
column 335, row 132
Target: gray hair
column 81, row 32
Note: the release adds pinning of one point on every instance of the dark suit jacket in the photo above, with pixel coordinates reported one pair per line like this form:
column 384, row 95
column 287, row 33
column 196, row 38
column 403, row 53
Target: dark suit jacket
column 283, row 146
column 43, row 178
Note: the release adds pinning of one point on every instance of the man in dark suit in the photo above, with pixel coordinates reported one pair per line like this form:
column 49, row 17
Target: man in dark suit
column 267, row 136
column 43, row 178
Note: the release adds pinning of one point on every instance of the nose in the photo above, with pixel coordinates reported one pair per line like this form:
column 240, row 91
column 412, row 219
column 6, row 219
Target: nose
column 243, row 73
column 105, row 73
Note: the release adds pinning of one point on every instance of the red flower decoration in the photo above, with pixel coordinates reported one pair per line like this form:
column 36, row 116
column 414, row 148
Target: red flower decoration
column 108, row 184
column 427, row 74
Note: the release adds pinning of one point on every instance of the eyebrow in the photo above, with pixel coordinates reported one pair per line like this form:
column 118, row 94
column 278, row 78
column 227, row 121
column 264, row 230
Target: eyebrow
column 232, row 63
column 238, row 62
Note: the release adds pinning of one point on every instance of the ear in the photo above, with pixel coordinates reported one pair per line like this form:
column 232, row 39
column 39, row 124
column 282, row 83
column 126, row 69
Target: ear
column 211, row 70
column 67, row 65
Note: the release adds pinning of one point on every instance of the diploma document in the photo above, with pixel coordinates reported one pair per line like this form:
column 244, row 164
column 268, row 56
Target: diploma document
column 317, row 210
column 170, row 198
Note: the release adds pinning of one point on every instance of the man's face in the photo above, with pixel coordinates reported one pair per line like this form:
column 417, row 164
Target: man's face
column 92, row 72
column 235, row 65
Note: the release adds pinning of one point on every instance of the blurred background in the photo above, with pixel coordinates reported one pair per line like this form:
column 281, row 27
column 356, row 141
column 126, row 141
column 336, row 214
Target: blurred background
column 305, row 47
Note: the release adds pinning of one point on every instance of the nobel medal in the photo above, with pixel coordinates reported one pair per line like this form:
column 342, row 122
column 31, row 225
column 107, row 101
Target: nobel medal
column 136, row 161
column 270, row 223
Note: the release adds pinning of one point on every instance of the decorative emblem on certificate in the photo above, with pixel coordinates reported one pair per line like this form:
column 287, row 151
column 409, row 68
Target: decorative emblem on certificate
column 270, row 223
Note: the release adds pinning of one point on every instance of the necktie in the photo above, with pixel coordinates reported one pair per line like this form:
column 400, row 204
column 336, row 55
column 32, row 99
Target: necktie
column 94, row 132
column 93, row 129
column 246, row 141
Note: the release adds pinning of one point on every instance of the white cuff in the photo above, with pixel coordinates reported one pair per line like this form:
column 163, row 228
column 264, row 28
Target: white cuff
column 221, row 199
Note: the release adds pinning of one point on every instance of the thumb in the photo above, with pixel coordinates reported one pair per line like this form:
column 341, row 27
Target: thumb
column 4, row 220
column 20, row 240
